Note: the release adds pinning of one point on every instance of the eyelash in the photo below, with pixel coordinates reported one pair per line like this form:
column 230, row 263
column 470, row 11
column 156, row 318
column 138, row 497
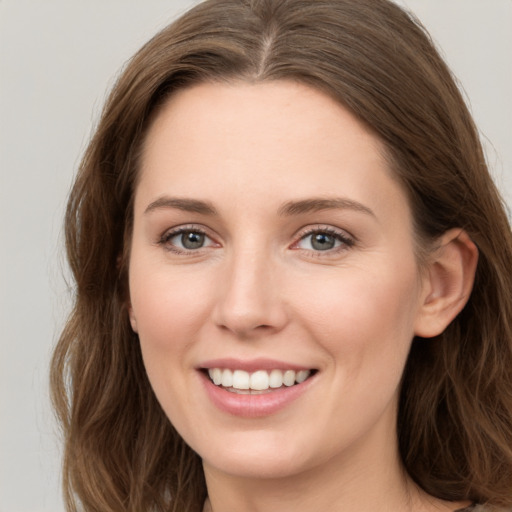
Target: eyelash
column 346, row 241
column 168, row 235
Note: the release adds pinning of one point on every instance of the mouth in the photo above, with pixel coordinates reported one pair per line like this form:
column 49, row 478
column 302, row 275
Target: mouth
column 257, row 382
column 255, row 388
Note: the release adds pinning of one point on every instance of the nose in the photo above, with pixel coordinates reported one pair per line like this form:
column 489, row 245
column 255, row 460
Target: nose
column 250, row 299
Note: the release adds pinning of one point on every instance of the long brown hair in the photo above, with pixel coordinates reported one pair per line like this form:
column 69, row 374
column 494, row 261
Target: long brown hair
column 455, row 413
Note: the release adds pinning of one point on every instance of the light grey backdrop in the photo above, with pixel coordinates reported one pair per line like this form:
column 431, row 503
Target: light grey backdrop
column 57, row 60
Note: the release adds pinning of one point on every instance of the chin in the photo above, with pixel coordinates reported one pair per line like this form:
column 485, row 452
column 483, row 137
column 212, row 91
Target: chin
column 260, row 456
column 257, row 466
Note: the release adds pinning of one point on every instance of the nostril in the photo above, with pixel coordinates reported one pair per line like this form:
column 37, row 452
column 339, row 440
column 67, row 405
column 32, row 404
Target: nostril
column 248, row 302
column 245, row 329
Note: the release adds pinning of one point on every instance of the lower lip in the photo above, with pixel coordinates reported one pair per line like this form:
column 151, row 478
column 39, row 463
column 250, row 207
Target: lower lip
column 253, row 406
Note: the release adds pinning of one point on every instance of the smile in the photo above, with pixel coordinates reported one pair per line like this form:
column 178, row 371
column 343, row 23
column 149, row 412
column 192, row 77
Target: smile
column 243, row 382
column 255, row 388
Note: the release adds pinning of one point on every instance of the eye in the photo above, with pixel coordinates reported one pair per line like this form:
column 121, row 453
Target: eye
column 324, row 239
column 185, row 239
column 189, row 240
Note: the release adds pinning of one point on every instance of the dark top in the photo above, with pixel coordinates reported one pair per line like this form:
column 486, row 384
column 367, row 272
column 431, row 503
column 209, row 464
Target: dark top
column 482, row 508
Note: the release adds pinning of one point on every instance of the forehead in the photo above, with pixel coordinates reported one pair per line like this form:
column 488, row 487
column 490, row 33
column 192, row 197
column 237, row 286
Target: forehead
column 226, row 110
column 273, row 139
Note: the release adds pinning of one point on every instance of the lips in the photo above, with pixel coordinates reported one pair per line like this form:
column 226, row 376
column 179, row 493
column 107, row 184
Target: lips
column 256, row 388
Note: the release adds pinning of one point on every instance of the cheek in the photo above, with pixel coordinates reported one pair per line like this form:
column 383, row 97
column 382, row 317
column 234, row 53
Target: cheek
column 364, row 324
column 168, row 307
column 169, row 311
column 364, row 313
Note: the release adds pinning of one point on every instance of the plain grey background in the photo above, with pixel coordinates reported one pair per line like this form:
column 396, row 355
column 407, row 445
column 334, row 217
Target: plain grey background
column 58, row 58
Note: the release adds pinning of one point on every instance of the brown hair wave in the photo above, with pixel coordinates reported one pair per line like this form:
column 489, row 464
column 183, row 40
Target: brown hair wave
column 455, row 412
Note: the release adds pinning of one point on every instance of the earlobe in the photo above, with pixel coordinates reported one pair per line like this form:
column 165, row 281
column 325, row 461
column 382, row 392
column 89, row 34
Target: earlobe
column 447, row 283
column 133, row 320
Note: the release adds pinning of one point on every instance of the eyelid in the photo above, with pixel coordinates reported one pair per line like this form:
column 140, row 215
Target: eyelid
column 347, row 239
column 169, row 233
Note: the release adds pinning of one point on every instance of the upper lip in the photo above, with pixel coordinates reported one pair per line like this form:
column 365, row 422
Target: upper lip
column 251, row 365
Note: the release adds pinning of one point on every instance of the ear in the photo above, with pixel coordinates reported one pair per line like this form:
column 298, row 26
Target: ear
column 447, row 283
column 128, row 304
column 133, row 320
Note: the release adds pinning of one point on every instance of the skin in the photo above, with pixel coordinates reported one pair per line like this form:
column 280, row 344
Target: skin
column 259, row 288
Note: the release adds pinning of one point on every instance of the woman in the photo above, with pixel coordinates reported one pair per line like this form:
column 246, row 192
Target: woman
column 293, row 275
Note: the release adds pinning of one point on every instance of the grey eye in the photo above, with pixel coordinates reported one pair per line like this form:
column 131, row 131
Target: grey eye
column 322, row 241
column 186, row 240
column 191, row 239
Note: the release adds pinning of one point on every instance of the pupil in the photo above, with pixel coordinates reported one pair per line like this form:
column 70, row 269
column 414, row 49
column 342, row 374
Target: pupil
column 322, row 242
column 192, row 240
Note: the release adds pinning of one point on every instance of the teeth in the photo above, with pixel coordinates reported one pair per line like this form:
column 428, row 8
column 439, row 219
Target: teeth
column 289, row 378
column 276, row 379
column 260, row 380
column 216, row 376
column 226, row 378
column 241, row 380
column 302, row 376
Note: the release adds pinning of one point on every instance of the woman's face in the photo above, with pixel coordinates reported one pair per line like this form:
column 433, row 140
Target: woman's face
column 273, row 250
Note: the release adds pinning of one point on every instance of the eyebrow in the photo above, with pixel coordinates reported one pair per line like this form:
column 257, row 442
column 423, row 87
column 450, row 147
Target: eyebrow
column 187, row 205
column 287, row 209
column 318, row 204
